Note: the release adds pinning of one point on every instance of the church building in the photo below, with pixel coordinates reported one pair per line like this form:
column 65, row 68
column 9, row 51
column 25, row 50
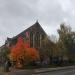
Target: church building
column 34, row 35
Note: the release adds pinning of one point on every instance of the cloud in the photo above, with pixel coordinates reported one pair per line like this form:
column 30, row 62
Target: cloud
column 17, row 15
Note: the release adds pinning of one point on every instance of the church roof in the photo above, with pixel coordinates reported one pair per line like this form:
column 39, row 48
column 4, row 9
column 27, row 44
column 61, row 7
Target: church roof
column 35, row 27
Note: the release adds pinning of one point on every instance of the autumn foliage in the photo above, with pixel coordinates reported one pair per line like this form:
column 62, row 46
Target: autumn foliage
column 22, row 52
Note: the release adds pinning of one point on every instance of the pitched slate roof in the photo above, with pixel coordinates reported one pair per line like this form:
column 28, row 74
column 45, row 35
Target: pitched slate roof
column 35, row 27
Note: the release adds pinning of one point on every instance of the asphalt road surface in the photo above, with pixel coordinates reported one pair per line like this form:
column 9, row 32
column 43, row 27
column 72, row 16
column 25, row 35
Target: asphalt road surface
column 70, row 71
column 59, row 72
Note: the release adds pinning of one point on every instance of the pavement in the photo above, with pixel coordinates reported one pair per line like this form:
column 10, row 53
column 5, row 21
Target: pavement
column 43, row 71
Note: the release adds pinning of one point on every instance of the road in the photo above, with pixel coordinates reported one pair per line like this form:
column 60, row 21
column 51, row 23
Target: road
column 59, row 72
column 69, row 71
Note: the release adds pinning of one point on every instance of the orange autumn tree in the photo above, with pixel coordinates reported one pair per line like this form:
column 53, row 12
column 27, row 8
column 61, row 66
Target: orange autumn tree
column 22, row 52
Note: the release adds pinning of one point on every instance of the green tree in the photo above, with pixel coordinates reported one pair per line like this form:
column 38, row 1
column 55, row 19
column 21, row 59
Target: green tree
column 69, row 43
column 66, row 41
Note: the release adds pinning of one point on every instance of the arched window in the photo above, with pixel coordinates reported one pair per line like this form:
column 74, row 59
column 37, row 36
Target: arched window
column 37, row 40
column 31, row 39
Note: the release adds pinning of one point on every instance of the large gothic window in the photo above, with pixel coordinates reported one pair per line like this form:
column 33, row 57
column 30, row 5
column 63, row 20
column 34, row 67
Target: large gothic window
column 37, row 40
column 31, row 39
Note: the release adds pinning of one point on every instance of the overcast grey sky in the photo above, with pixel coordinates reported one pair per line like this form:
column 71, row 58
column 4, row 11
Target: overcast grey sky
column 17, row 15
